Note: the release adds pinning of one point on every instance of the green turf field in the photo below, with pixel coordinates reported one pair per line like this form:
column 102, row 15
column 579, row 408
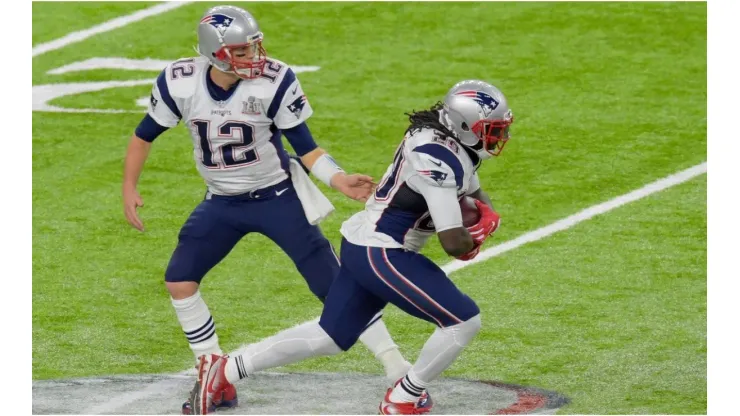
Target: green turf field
column 607, row 97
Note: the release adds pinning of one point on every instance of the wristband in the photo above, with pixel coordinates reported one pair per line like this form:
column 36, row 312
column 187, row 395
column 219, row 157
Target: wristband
column 324, row 168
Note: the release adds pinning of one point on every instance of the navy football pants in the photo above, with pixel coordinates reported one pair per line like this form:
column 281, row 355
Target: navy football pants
column 218, row 223
column 371, row 277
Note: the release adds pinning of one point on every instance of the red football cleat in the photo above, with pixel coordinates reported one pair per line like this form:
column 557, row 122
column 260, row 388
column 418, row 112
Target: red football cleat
column 211, row 391
column 421, row 406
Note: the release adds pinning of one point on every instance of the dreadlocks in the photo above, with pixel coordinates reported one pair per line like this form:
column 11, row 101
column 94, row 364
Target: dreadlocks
column 428, row 119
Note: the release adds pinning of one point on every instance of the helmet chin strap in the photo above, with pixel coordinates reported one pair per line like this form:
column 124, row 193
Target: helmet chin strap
column 479, row 150
column 226, row 50
column 232, row 69
column 482, row 154
column 197, row 50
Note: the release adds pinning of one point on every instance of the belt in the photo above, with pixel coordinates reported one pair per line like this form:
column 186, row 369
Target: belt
column 257, row 194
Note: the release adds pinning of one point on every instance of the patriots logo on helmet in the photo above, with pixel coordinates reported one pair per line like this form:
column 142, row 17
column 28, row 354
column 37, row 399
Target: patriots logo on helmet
column 297, row 106
column 487, row 102
column 219, row 21
column 436, row 175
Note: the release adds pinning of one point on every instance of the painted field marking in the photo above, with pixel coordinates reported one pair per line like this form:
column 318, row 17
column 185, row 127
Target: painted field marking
column 586, row 214
column 112, row 24
column 117, row 402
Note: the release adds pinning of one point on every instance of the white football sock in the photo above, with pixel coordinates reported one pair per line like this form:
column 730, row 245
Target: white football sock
column 440, row 350
column 408, row 390
column 198, row 325
column 287, row 347
column 377, row 339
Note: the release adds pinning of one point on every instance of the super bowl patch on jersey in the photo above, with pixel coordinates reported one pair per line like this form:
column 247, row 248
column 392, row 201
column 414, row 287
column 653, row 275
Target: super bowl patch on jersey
column 252, row 106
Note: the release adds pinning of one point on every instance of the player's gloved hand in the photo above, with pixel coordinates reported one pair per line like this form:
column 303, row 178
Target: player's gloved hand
column 487, row 225
column 356, row 186
column 131, row 201
column 470, row 255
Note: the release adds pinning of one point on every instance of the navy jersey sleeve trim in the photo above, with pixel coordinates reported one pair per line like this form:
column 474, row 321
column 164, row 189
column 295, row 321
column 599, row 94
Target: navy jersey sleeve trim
column 164, row 91
column 442, row 153
column 288, row 79
column 300, row 138
column 148, row 129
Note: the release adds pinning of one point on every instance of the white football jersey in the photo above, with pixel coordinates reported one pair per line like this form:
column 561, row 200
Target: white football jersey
column 237, row 144
column 397, row 216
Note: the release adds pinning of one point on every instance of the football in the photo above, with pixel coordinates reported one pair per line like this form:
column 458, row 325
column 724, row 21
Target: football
column 470, row 213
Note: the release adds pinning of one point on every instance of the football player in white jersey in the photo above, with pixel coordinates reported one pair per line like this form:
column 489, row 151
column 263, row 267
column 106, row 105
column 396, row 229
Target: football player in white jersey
column 237, row 104
column 434, row 166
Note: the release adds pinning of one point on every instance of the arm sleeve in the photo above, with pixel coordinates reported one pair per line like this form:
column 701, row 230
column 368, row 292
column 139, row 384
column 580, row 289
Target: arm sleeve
column 300, row 138
column 163, row 108
column 442, row 202
column 148, row 129
column 290, row 106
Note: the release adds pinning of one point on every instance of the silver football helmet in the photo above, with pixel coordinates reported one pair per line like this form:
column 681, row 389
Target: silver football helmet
column 477, row 112
column 223, row 29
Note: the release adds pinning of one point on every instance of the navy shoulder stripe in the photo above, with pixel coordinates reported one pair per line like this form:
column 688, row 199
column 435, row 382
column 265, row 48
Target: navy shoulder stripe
column 440, row 152
column 280, row 93
column 164, row 91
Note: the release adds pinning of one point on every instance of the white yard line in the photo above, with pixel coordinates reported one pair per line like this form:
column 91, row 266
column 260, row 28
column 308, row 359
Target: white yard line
column 121, row 400
column 105, row 27
column 581, row 216
column 118, row 402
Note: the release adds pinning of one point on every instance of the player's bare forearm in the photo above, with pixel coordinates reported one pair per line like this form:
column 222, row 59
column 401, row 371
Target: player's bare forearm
column 356, row 186
column 456, row 241
column 482, row 196
column 136, row 155
column 310, row 158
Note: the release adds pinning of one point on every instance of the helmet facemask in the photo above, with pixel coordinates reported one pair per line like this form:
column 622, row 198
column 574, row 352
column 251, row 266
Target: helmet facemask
column 249, row 66
column 493, row 134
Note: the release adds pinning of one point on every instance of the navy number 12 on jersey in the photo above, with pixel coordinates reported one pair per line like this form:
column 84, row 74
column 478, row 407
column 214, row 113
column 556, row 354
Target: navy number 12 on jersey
column 230, row 153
